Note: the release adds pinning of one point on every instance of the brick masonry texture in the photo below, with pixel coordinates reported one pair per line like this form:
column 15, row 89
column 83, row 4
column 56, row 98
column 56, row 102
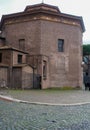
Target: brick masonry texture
column 41, row 32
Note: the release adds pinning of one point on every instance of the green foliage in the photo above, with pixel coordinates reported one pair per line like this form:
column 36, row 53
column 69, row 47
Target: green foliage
column 86, row 49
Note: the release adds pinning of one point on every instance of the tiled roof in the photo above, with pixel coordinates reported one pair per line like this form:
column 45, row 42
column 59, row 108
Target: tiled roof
column 12, row 48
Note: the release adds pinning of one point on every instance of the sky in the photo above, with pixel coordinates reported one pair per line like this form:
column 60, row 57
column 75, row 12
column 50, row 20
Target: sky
column 73, row 7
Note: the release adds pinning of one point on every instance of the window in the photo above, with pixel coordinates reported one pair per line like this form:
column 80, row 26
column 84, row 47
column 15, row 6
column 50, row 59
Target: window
column 19, row 58
column 60, row 45
column 22, row 44
column 0, row 57
column 44, row 69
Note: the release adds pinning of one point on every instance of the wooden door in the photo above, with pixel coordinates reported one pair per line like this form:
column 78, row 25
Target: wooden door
column 17, row 78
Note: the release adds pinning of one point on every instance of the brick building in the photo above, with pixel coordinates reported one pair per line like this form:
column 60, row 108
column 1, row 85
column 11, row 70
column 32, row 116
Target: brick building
column 41, row 48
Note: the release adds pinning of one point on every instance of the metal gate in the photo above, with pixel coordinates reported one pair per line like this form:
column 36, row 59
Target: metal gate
column 36, row 81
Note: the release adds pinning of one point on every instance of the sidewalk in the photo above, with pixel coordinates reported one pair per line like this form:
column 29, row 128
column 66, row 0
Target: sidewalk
column 49, row 97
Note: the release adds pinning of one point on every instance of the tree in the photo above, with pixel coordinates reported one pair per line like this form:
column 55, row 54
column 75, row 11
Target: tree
column 86, row 49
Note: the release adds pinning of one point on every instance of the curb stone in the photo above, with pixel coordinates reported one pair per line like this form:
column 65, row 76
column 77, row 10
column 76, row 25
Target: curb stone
column 9, row 98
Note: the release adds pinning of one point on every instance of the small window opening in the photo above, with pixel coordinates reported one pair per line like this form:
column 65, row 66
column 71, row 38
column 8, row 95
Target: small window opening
column 44, row 69
column 0, row 57
column 60, row 45
column 19, row 58
column 22, row 44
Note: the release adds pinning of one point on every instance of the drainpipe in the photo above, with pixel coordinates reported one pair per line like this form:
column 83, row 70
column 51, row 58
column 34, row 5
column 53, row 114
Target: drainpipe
column 33, row 73
column 10, row 70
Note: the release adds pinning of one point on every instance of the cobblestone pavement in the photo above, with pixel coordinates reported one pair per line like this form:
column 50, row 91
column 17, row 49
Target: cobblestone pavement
column 20, row 116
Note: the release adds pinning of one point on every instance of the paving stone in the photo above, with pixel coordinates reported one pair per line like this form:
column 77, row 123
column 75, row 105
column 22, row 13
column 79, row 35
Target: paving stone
column 19, row 116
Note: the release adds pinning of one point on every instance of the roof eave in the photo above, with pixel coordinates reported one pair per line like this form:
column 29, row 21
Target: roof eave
column 43, row 11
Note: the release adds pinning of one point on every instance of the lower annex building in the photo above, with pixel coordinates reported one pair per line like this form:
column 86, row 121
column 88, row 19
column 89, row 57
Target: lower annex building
column 41, row 47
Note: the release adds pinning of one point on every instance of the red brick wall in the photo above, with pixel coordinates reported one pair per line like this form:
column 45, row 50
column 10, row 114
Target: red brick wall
column 65, row 67
column 30, row 31
column 6, row 57
column 41, row 37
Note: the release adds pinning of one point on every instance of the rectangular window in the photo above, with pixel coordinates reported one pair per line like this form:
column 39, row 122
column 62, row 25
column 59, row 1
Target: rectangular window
column 60, row 45
column 22, row 44
column 0, row 57
column 19, row 58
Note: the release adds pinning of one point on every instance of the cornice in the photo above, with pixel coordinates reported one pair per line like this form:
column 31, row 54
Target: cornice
column 43, row 17
column 39, row 12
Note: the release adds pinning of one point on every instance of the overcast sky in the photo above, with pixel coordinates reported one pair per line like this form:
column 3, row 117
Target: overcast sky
column 73, row 7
